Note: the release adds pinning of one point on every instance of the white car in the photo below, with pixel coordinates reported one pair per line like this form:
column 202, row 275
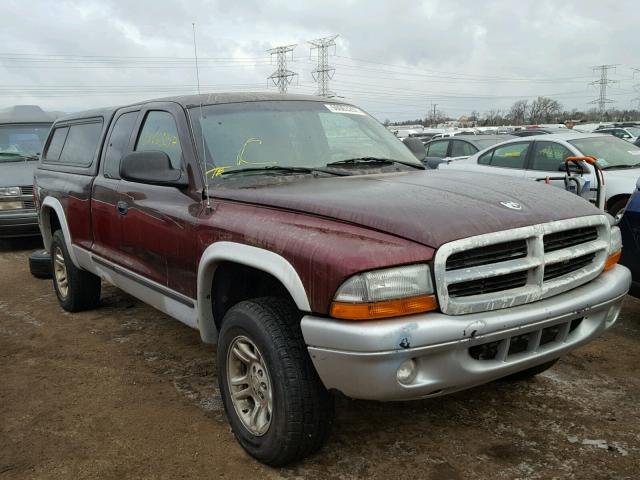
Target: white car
column 630, row 134
column 543, row 156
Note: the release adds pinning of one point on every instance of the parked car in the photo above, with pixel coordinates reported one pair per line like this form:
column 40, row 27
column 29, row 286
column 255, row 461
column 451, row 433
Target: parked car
column 530, row 132
column 441, row 149
column 540, row 157
column 313, row 248
column 628, row 133
column 23, row 130
column 630, row 228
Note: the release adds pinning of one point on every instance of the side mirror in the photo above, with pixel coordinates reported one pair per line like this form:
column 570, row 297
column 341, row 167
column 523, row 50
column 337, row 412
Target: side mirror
column 416, row 146
column 152, row 167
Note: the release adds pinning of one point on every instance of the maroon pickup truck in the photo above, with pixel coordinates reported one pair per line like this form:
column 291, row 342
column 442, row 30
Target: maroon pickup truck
column 312, row 247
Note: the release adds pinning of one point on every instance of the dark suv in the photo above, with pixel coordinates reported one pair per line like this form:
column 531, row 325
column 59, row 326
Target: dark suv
column 310, row 245
column 23, row 130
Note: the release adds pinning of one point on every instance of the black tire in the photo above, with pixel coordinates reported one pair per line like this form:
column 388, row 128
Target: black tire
column 302, row 407
column 40, row 264
column 82, row 287
column 617, row 206
column 530, row 372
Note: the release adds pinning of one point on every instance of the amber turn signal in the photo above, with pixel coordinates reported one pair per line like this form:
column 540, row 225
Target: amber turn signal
column 612, row 260
column 384, row 309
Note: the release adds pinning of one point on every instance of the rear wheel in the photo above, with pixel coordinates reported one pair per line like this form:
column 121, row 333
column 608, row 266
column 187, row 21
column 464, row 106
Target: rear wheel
column 530, row 372
column 278, row 409
column 76, row 289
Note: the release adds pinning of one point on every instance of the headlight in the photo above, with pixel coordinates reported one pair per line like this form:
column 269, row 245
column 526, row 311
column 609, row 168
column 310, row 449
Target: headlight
column 10, row 191
column 11, row 205
column 615, row 249
column 385, row 293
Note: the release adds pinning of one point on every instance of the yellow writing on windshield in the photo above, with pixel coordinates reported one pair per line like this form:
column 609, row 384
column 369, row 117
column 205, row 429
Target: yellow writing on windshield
column 162, row 139
column 240, row 160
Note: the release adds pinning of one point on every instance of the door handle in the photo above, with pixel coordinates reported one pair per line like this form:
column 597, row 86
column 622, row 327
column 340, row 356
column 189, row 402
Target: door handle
column 122, row 207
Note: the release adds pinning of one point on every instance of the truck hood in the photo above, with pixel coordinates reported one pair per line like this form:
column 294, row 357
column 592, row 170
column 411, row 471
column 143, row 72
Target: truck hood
column 430, row 207
column 17, row 174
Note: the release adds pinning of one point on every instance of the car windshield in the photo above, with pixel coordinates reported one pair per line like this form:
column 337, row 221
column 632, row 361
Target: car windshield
column 22, row 142
column 610, row 152
column 279, row 137
column 635, row 131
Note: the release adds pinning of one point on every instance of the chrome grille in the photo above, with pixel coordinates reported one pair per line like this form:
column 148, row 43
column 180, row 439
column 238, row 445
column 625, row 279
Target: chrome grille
column 488, row 285
column 523, row 265
column 569, row 238
column 489, row 254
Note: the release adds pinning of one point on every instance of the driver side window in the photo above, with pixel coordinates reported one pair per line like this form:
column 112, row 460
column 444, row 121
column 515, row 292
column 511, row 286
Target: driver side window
column 160, row 133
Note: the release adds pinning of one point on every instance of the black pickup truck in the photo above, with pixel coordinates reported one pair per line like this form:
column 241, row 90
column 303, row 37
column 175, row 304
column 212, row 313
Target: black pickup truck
column 316, row 251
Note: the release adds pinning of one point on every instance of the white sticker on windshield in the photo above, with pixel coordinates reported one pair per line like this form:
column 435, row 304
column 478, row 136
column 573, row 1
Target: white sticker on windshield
column 634, row 152
column 341, row 108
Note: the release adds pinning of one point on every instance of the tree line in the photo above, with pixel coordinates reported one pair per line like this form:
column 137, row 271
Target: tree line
column 525, row 112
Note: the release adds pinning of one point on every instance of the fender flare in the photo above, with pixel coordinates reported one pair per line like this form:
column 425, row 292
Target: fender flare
column 255, row 257
column 51, row 203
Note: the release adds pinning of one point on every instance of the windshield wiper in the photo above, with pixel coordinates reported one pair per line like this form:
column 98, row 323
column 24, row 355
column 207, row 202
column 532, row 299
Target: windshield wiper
column 372, row 161
column 19, row 156
column 611, row 167
column 272, row 168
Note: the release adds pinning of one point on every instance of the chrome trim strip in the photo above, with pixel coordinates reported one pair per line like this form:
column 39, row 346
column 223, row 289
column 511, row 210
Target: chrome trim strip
column 172, row 294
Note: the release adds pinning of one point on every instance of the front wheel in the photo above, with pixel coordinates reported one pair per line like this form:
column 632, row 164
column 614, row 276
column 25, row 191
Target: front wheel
column 278, row 409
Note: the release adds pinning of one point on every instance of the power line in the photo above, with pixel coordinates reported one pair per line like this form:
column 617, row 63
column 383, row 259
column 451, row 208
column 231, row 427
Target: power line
column 604, row 81
column 282, row 77
column 323, row 72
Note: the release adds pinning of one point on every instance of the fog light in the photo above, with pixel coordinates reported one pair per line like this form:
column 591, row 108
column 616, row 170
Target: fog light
column 407, row 371
column 612, row 314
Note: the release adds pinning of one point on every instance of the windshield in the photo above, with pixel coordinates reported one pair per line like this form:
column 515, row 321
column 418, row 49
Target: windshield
column 610, row 152
column 19, row 142
column 635, row 131
column 304, row 134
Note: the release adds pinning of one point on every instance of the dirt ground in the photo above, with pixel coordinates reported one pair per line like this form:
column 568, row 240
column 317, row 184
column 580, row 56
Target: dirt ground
column 125, row 392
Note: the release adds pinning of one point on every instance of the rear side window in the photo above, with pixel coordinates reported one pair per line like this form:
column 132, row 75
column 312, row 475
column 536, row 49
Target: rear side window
column 513, row 155
column 56, row 144
column 81, row 145
column 160, row 133
column 118, row 143
column 460, row 148
column 74, row 145
column 438, row 149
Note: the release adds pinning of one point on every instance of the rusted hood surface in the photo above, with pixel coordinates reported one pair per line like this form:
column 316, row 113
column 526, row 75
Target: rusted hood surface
column 432, row 207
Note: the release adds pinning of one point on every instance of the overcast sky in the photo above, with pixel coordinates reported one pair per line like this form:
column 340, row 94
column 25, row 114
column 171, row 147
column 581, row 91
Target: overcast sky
column 392, row 58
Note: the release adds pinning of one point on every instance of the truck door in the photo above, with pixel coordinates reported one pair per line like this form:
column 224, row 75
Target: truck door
column 105, row 194
column 158, row 222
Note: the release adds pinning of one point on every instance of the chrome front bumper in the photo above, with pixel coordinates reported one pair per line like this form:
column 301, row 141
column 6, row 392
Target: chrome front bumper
column 361, row 359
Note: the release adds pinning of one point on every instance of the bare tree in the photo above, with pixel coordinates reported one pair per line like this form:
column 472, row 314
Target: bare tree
column 518, row 112
column 544, row 110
